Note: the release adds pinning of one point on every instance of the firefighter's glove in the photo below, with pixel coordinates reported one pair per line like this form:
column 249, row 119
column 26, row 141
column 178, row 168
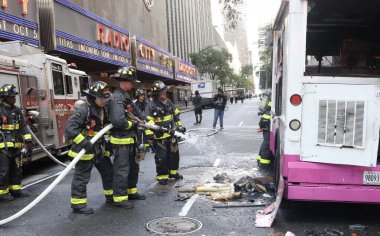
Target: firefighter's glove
column 88, row 146
column 159, row 133
column 29, row 147
column 171, row 132
column 181, row 129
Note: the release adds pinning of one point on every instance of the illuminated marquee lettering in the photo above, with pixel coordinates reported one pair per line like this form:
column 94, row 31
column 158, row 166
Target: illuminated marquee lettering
column 112, row 38
column 24, row 3
column 146, row 52
column 4, row 4
column 24, row 6
column 186, row 69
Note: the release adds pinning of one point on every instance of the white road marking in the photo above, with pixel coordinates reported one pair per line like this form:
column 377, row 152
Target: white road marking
column 188, row 205
column 217, row 162
column 241, row 123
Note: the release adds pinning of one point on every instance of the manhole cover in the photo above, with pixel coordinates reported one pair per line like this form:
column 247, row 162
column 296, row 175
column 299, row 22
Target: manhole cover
column 174, row 225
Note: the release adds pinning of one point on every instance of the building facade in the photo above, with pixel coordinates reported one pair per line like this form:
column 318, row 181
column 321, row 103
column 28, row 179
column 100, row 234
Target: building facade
column 238, row 35
column 190, row 27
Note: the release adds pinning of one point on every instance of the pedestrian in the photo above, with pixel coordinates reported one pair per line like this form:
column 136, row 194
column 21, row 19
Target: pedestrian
column 265, row 155
column 14, row 135
column 197, row 102
column 123, row 138
column 220, row 101
column 185, row 100
column 232, row 99
column 162, row 112
column 88, row 119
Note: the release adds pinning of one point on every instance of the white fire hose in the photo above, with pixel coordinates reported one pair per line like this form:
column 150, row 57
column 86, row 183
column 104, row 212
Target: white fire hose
column 57, row 180
column 44, row 149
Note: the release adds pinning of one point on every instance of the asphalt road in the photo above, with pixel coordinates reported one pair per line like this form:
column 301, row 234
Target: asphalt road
column 232, row 151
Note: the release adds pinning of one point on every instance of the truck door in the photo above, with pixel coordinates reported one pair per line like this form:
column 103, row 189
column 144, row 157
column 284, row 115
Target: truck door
column 59, row 101
column 340, row 124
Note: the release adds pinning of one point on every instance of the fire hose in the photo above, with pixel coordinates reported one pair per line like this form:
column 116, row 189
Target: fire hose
column 56, row 181
column 71, row 166
column 44, row 149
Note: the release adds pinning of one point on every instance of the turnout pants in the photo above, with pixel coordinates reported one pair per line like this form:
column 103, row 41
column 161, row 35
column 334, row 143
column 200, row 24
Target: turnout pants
column 166, row 157
column 10, row 170
column 82, row 176
column 126, row 172
column 265, row 155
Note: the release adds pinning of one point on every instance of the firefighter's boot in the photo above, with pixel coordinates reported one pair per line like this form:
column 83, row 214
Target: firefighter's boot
column 19, row 193
column 136, row 196
column 200, row 119
column 124, row 204
column 163, row 181
column 176, row 176
column 109, row 199
column 84, row 210
column 6, row 197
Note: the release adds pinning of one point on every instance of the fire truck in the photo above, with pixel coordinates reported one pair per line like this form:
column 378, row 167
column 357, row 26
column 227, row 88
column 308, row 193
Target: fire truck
column 48, row 90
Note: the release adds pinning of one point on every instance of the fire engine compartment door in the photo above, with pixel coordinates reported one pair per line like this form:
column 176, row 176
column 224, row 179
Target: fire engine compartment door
column 340, row 124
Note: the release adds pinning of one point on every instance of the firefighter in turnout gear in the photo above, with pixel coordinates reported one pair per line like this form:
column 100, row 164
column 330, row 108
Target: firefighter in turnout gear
column 142, row 141
column 162, row 112
column 88, row 119
column 13, row 133
column 265, row 155
column 123, row 138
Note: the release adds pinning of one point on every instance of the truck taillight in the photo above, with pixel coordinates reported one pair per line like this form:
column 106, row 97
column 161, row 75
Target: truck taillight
column 295, row 99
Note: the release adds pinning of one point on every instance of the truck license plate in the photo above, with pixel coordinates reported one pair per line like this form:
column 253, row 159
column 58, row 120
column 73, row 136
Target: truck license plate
column 371, row 178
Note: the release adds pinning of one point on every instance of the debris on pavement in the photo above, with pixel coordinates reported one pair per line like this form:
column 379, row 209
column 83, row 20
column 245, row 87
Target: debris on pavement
column 245, row 184
column 183, row 196
column 222, row 178
column 213, row 187
column 237, row 205
column 225, row 196
column 358, row 229
column 327, row 232
column 289, row 234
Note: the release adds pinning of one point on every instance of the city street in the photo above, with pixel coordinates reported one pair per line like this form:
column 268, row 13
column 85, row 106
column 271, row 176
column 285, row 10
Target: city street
column 232, row 151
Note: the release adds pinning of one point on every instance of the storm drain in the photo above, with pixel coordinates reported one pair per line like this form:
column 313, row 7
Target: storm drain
column 174, row 225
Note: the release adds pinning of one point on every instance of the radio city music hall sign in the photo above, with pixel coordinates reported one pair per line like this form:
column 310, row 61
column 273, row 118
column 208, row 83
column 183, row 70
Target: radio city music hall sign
column 112, row 38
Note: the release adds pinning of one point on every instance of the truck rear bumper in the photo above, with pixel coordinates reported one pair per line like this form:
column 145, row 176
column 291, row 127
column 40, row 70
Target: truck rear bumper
column 333, row 193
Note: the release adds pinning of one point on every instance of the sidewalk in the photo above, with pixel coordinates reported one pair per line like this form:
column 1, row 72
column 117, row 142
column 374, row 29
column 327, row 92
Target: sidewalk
column 186, row 109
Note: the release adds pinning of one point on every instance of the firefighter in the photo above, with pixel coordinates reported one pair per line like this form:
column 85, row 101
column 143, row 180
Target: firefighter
column 13, row 134
column 123, row 138
column 162, row 112
column 141, row 99
column 265, row 155
column 142, row 142
column 88, row 119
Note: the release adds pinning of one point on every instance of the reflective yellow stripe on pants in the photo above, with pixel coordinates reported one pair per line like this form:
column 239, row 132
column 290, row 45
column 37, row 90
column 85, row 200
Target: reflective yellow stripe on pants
column 132, row 190
column 14, row 187
column 76, row 201
column 173, row 172
column 159, row 177
column 120, row 198
column 108, row 192
column 264, row 161
column 4, row 191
